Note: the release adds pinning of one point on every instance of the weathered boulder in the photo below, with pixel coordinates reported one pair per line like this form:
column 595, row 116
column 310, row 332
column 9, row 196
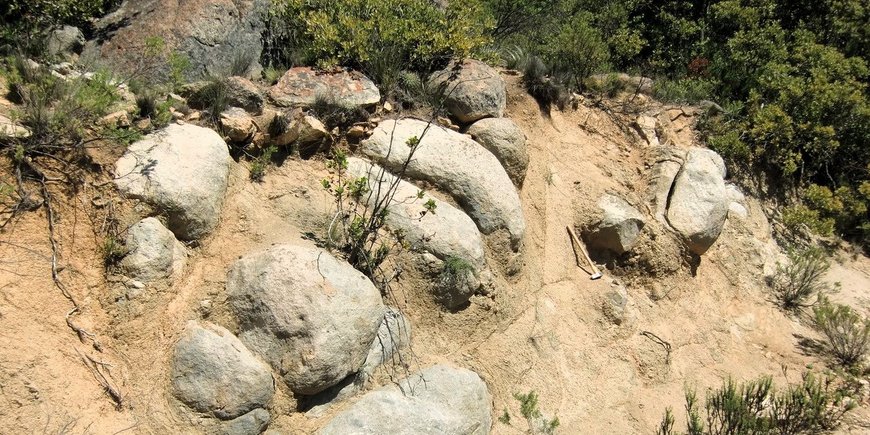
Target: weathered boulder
column 472, row 90
column 309, row 129
column 458, row 165
column 698, row 206
column 438, row 400
column 243, row 93
column 237, row 124
column 64, row 42
column 646, row 125
column 182, row 170
column 11, row 129
column 218, row 37
column 213, row 372
column 311, row 316
column 448, row 232
column 506, row 140
column 153, row 253
column 665, row 164
column 619, row 226
column 302, row 86
column 252, row 423
column 394, row 334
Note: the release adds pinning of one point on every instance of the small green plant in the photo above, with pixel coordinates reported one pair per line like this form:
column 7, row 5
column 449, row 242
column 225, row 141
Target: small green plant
column 505, row 417
column 538, row 424
column 332, row 113
column 801, row 279
column 683, row 91
column 813, row 406
column 271, row 74
column 112, row 250
column 799, row 218
column 213, row 97
column 178, row 66
column 261, row 162
column 846, row 331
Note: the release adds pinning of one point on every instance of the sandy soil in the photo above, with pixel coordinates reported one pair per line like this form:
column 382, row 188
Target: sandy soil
column 543, row 329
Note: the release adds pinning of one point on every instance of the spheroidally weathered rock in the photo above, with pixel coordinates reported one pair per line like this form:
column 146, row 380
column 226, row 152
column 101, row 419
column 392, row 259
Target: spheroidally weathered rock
column 472, row 90
column 507, row 142
column 698, row 205
column 619, row 226
column 213, row 372
column 456, row 164
column 446, row 232
column 303, row 86
column 666, row 163
column 310, row 315
column 181, row 170
column 153, row 253
column 438, row 400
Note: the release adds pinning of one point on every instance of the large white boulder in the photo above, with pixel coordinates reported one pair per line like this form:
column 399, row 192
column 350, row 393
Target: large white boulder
column 310, row 315
column 699, row 203
column 506, row 140
column 439, row 400
column 213, row 372
column 182, row 171
column 456, row 164
column 445, row 232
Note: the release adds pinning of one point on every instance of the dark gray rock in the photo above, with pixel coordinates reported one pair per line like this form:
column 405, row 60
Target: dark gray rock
column 252, row 423
column 65, row 42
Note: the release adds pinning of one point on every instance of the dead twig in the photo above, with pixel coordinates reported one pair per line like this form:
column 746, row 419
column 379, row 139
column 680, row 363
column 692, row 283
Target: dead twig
column 661, row 342
column 105, row 381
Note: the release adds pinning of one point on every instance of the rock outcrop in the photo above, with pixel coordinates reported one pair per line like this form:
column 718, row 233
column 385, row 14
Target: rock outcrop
column 243, row 93
column 218, row 37
column 506, row 140
column 311, row 316
column 213, row 372
column 448, row 232
column 619, row 226
column 438, row 400
column 181, row 170
column 302, row 86
column 64, row 42
column 237, row 124
column 456, row 164
column 472, row 90
column 153, row 253
column 698, row 205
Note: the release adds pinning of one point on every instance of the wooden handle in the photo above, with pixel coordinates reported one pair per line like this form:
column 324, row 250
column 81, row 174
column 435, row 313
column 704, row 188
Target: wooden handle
column 583, row 250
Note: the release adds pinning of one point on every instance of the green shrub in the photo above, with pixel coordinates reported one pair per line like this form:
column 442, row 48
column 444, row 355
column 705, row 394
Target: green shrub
column 801, row 278
column 261, row 162
column 811, row 407
column 547, row 91
column 332, row 113
column 846, row 331
column 21, row 21
column 213, row 98
column 683, row 91
column 576, row 51
column 380, row 37
column 797, row 218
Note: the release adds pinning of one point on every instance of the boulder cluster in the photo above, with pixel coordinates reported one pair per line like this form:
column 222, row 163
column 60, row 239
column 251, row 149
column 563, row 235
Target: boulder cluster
column 304, row 317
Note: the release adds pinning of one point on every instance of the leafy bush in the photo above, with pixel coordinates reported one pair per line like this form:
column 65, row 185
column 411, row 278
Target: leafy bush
column 683, row 91
column 21, row 21
column 754, row 407
column 576, row 51
column 801, row 278
column 846, row 331
column 379, row 37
